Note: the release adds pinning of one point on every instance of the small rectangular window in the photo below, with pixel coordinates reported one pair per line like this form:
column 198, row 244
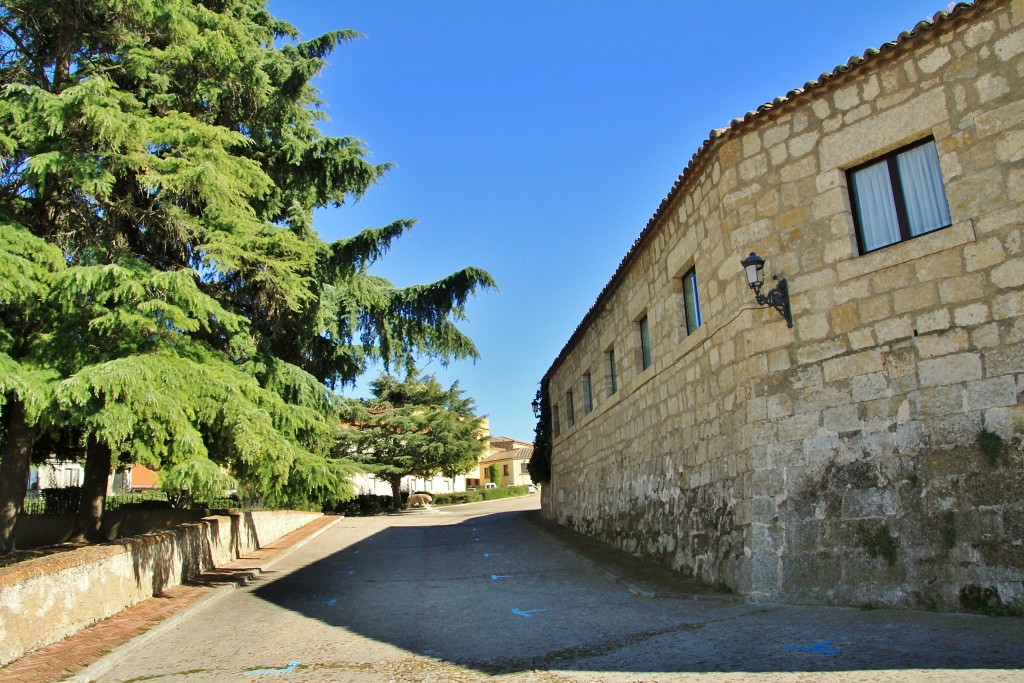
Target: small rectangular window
column 588, row 395
column 898, row 196
column 570, row 410
column 613, row 373
column 556, row 421
column 646, row 356
column 504, row 470
column 691, row 302
column 524, row 468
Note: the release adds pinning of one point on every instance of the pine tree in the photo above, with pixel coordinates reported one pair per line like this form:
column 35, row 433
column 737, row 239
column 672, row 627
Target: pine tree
column 167, row 154
column 413, row 427
column 26, row 381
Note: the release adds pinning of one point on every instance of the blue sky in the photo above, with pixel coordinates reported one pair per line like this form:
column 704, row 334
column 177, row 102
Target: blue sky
column 535, row 138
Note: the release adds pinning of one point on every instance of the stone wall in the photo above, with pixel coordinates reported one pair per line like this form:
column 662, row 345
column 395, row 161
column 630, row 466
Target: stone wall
column 45, row 600
column 837, row 461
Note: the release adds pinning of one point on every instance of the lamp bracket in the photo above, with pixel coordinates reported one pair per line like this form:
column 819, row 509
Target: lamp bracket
column 777, row 297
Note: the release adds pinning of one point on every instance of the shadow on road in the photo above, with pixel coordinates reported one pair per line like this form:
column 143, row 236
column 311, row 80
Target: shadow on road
column 492, row 594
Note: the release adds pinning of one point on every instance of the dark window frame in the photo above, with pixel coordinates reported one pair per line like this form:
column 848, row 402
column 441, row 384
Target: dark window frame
column 902, row 217
column 588, row 393
column 613, row 371
column 687, row 276
column 646, row 345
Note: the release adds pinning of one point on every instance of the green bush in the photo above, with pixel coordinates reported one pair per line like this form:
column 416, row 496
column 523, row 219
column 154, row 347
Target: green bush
column 366, row 505
column 504, row 492
column 479, row 495
column 363, row 505
column 991, row 445
column 60, row 501
column 458, row 498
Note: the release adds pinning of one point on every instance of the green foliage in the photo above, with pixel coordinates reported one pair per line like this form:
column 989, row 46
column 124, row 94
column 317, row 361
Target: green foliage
column 986, row 600
column 65, row 500
column 881, row 543
column 493, row 474
column 949, row 529
column 539, row 466
column 368, row 505
column 503, row 492
column 363, row 505
column 462, row 497
column 27, row 267
column 413, row 427
column 162, row 289
column 991, row 445
column 59, row 501
column 459, row 498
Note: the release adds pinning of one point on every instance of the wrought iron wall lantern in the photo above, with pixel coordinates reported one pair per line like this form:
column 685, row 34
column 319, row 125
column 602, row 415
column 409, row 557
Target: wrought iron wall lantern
column 776, row 297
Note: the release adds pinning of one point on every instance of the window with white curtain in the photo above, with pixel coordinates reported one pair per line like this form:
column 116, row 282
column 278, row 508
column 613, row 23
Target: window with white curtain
column 898, row 196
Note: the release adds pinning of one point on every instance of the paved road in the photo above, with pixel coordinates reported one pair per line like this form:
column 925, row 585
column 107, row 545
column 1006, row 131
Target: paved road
column 475, row 593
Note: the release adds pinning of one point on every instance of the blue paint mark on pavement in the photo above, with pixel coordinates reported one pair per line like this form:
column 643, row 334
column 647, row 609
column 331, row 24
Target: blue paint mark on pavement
column 499, row 577
column 822, row 647
column 491, row 554
column 528, row 613
column 287, row 670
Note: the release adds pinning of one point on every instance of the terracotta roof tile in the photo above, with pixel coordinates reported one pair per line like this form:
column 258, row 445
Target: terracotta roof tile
column 514, row 454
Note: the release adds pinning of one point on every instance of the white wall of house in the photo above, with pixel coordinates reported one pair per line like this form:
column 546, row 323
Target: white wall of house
column 370, row 484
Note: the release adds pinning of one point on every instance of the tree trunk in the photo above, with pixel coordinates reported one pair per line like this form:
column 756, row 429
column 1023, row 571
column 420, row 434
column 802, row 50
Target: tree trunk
column 396, row 491
column 14, row 471
column 89, row 525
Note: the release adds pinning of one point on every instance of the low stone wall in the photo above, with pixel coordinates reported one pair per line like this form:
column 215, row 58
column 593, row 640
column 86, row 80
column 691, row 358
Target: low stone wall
column 36, row 531
column 46, row 600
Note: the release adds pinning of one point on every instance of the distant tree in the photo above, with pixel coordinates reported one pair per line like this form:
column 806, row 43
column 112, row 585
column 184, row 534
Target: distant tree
column 493, row 474
column 413, row 427
column 160, row 165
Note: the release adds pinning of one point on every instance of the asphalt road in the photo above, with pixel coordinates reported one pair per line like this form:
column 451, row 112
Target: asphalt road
column 476, row 593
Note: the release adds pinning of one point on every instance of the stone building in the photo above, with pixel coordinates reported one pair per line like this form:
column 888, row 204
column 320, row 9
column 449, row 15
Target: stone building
column 870, row 453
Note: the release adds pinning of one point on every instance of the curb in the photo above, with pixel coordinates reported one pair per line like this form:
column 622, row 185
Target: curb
column 120, row 653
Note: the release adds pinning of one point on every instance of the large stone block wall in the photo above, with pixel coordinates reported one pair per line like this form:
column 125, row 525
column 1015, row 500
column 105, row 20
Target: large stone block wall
column 837, row 461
